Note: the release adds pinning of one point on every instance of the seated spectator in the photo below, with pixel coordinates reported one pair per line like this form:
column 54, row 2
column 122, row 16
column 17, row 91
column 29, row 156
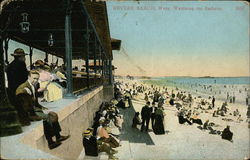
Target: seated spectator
column 227, row 134
column 103, row 135
column 49, row 83
column 90, row 143
column 121, row 103
column 171, row 102
column 206, row 124
column 111, row 128
column 196, row 119
column 178, row 106
column 119, row 121
column 224, row 107
column 236, row 112
column 181, row 118
column 93, row 147
column 239, row 119
column 113, row 114
column 136, row 120
column 32, row 110
column 215, row 114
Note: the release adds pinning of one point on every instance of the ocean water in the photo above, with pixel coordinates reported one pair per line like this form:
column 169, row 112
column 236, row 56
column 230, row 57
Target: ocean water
column 175, row 81
column 220, row 87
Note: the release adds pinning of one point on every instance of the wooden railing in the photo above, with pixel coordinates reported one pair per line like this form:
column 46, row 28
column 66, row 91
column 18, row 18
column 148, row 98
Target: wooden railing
column 80, row 82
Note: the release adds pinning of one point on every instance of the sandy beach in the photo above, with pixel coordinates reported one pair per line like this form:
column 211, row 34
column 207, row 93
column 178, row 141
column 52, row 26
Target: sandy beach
column 183, row 141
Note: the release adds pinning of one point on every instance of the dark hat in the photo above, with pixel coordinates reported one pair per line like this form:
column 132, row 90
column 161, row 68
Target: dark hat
column 19, row 52
column 53, row 116
column 39, row 63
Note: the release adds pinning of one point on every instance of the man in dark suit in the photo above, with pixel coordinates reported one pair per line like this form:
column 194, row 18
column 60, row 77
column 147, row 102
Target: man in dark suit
column 145, row 115
column 16, row 74
column 90, row 144
column 28, row 106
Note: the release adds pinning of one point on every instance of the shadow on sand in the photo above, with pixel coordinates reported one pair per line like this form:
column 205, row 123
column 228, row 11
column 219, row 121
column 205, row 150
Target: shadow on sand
column 133, row 135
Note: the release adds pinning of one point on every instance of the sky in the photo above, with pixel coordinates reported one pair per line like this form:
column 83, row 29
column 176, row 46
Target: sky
column 181, row 38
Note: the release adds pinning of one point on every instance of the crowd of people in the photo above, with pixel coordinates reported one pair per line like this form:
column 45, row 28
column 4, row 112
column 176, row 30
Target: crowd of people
column 49, row 81
column 23, row 91
column 190, row 109
column 154, row 114
column 103, row 136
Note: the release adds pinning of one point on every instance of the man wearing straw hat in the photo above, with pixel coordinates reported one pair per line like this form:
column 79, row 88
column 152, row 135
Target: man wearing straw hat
column 92, row 146
column 16, row 73
column 90, row 143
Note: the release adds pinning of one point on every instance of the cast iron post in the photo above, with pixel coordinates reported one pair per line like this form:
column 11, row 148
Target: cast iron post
column 102, row 66
column 87, row 50
column 110, row 72
column 68, row 50
column 95, row 57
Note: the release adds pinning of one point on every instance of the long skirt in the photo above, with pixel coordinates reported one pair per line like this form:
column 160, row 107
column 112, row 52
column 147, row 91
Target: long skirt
column 158, row 126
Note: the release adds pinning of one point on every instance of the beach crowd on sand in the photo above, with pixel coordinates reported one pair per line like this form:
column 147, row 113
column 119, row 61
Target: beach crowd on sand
column 208, row 114
column 191, row 108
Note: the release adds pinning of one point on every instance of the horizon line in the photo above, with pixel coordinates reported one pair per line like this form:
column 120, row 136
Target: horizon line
column 188, row 76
